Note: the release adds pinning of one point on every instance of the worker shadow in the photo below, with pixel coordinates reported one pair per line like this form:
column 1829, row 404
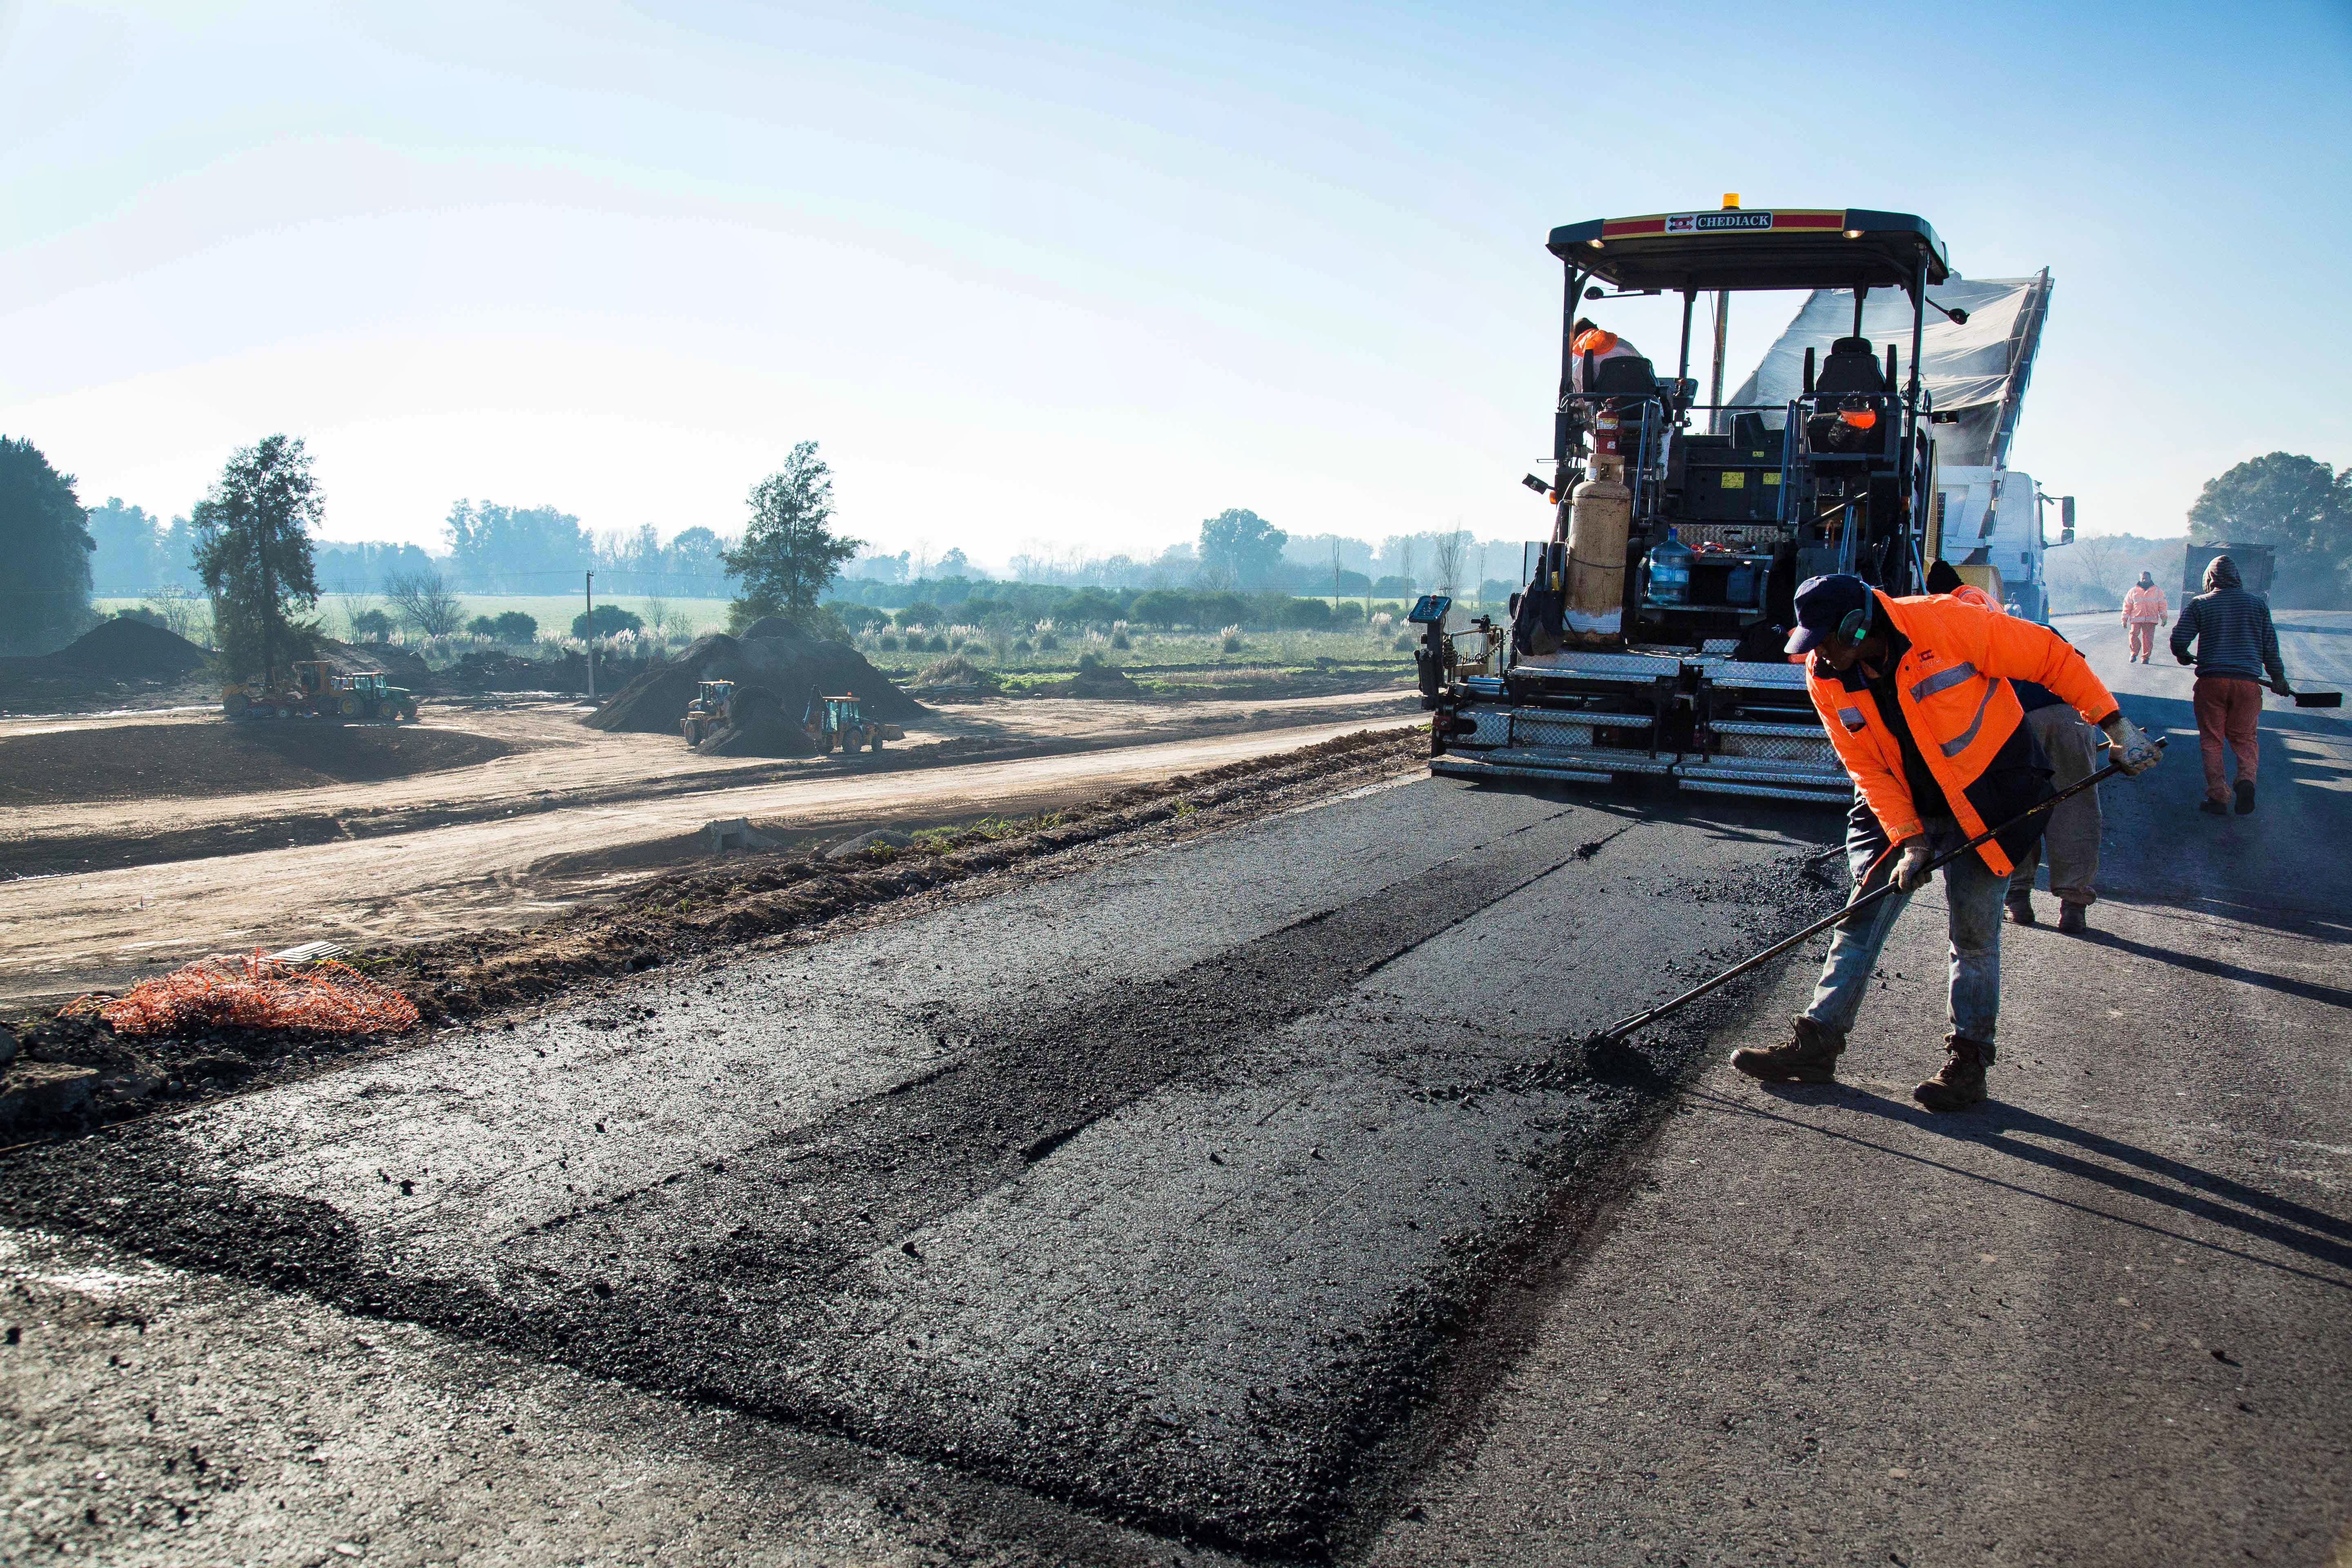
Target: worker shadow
column 2064, row 1149
column 2223, row 969
column 2162, row 851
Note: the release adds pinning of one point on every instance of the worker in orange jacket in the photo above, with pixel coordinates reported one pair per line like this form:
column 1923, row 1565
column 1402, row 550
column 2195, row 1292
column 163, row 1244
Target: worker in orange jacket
column 1586, row 338
column 2145, row 609
column 1916, row 696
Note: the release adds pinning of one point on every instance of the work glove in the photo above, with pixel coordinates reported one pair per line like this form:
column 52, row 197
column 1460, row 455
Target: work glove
column 2130, row 749
column 2282, row 688
column 1911, row 872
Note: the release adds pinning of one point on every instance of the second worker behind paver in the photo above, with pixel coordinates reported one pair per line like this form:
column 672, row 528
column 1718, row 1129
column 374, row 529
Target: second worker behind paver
column 2237, row 646
column 1915, row 694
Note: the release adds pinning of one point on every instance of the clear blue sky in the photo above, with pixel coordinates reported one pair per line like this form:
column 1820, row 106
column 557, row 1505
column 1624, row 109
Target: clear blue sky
column 1087, row 274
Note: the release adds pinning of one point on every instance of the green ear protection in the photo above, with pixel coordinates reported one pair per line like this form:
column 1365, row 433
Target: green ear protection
column 1856, row 625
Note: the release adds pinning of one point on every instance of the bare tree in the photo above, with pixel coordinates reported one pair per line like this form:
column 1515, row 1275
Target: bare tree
column 180, row 610
column 1446, row 560
column 355, row 599
column 426, row 601
column 659, row 616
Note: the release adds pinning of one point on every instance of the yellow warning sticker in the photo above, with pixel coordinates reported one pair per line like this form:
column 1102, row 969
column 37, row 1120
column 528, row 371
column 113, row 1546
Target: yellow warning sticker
column 1733, row 480
column 1771, row 479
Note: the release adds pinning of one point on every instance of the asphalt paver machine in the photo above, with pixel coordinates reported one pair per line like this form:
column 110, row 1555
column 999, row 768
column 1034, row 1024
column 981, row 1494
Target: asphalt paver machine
column 1648, row 640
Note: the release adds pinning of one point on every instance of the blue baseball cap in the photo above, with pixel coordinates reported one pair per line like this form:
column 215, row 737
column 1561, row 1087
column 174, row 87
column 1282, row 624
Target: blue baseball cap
column 1823, row 605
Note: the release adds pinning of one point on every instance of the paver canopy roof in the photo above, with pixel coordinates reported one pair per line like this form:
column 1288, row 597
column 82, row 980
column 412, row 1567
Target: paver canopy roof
column 1755, row 247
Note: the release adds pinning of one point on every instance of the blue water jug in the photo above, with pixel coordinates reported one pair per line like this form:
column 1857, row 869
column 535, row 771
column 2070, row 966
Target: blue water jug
column 1670, row 571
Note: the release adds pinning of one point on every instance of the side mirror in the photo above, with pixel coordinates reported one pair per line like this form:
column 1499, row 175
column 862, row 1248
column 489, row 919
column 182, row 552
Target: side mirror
column 2065, row 519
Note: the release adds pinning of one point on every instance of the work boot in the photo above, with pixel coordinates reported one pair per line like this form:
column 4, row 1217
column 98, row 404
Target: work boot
column 2072, row 921
column 2246, row 797
column 2020, row 908
column 1961, row 1083
column 2215, row 808
column 1811, row 1056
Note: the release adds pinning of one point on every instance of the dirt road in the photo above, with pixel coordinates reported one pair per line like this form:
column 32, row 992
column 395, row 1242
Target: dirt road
column 69, row 933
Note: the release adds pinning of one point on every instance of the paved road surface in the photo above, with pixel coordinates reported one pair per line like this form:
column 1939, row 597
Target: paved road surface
column 2108, row 1321
column 1162, row 1195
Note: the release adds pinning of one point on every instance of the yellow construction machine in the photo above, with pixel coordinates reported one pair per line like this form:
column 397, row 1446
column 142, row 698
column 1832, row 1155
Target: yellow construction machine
column 316, row 691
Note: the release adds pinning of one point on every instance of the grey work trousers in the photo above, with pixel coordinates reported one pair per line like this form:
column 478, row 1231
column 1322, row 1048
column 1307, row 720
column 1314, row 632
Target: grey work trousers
column 1972, row 894
column 2070, row 841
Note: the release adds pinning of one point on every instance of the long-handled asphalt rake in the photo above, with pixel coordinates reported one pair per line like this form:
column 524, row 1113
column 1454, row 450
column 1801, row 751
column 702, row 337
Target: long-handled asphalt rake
column 1616, row 1034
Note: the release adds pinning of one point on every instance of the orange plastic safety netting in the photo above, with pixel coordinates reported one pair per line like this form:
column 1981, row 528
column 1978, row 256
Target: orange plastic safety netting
column 254, row 992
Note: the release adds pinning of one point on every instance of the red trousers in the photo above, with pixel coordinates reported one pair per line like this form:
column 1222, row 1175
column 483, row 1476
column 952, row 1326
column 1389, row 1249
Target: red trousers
column 2227, row 706
column 2143, row 638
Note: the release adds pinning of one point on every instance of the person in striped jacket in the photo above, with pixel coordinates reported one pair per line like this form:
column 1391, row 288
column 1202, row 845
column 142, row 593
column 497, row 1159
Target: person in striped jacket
column 2236, row 647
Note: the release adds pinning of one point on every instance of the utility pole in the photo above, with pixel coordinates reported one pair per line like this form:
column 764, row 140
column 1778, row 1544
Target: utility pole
column 1714, row 419
column 590, row 638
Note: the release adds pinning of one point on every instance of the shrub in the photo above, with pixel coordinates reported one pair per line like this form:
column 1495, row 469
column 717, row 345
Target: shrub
column 939, row 643
column 1347, row 612
column 1306, row 615
column 1404, row 644
column 1233, row 641
column 1047, row 642
column 854, row 616
column 888, row 643
column 140, row 614
column 921, row 612
column 603, row 621
column 1022, row 645
column 1087, row 607
column 371, row 626
column 1162, row 608
column 507, row 625
column 1118, row 639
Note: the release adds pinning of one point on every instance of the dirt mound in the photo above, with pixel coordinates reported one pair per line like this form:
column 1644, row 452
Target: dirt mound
column 957, row 670
column 491, row 670
column 655, row 700
column 1094, row 679
column 762, row 728
column 212, row 757
column 775, row 627
column 124, row 650
column 405, row 669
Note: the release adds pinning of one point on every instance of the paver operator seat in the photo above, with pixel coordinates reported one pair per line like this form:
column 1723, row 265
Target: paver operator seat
column 1855, row 408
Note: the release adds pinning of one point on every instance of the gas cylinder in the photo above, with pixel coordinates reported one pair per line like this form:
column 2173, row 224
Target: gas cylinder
column 1599, row 519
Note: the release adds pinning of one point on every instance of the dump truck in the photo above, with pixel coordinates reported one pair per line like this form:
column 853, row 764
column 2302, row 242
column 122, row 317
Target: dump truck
column 1646, row 641
column 2256, row 563
column 315, row 689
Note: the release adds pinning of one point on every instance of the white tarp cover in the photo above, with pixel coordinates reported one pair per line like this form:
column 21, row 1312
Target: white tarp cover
column 1965, row 367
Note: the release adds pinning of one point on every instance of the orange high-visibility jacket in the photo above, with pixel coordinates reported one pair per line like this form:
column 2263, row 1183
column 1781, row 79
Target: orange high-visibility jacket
column 2143, row 603
column 1953, row 686
column 1603, row 346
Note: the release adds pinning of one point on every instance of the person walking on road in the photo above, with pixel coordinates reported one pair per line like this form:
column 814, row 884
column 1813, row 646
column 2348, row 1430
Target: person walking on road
column 1915, row 694
column 2237, row 646
column 2145, row 609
